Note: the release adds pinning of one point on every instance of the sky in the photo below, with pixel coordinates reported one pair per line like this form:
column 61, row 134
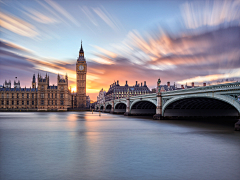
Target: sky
column 177, row 41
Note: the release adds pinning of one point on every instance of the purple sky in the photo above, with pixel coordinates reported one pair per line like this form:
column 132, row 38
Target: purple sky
column 178, row 41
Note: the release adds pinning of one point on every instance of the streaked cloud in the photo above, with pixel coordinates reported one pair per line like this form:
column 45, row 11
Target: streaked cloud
column 39, row 17
column 63, row 12
column 102, row 59
column 17, row 25
column 106, row 52
column 213, row 77
column 107, row 18
column 2, row 1
column 201, row 46
column 89, row 14
column 207, row 13
column 11, row 46
column 210, row 55
column 52, row 12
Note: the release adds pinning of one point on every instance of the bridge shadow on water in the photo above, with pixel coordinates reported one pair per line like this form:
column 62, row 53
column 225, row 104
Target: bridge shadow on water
column 206, row 122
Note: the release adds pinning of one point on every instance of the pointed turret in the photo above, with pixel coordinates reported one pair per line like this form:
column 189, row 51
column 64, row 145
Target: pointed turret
column 34, row 81
column 81, row 52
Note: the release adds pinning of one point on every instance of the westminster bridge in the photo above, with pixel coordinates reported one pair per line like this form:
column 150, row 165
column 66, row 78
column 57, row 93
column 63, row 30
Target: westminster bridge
column 207, row 101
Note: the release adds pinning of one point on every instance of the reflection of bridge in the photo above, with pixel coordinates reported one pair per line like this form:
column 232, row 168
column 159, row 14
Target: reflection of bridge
column 216, row 100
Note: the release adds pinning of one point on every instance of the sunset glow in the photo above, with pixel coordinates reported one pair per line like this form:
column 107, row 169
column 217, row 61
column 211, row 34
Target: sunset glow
column 178, row 41
column 73, row 89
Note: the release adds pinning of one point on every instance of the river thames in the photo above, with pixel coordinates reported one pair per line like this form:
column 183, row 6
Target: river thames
column 82, row 145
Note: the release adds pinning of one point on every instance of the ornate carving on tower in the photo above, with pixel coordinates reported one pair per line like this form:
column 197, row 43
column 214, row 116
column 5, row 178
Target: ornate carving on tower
column 81, row 71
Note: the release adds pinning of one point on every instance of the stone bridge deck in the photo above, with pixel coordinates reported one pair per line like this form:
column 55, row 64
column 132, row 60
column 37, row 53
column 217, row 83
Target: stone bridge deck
column 215, row 100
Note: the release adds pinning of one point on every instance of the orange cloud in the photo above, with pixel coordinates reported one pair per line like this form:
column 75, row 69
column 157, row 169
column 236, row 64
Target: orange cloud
column 17, row 25
column 212, row 77
column 106, row 52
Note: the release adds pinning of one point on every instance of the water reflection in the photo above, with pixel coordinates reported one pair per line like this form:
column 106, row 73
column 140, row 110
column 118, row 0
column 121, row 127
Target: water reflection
column 82, row 145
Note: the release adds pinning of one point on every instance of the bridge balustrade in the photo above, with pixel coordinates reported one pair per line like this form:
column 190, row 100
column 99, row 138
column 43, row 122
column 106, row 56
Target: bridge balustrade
column 226, row 95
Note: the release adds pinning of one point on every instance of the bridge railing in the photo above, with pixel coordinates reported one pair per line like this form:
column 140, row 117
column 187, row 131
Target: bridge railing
column 218, row 87
column 138, row 97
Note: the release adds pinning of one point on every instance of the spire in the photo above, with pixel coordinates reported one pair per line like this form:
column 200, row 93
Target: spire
column 81, row 50
column 81, row 54
column 33, row 78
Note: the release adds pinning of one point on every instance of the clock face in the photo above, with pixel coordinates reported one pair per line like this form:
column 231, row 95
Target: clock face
column 81, row 67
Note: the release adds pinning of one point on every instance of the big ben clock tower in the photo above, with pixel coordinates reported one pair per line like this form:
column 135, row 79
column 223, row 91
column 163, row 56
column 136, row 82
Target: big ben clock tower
column 81, row 71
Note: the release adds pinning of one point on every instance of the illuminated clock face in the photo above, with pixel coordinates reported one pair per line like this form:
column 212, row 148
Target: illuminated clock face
column 81, row 67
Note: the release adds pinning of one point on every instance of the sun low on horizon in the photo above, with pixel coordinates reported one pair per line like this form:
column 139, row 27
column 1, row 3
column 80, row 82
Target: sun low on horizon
column 179, row 41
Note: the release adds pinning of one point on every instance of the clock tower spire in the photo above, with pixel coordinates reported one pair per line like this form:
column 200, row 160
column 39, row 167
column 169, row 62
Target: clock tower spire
column 81, row 71
column 81, row 52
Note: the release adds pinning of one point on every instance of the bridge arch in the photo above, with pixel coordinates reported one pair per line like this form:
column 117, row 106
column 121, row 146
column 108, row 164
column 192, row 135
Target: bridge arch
column 120, row 107
column 139, row 107
column 138, row 100
column 205, row 105
column 118, row 104
column 108, row 108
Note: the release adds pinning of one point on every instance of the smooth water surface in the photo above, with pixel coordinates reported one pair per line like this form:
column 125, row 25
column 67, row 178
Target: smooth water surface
column 82, row 145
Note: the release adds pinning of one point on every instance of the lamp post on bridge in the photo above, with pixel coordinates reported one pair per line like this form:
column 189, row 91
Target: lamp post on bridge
column 158, row 115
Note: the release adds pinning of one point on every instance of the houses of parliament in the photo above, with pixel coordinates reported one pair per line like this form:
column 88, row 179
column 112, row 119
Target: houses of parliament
column 43, row 97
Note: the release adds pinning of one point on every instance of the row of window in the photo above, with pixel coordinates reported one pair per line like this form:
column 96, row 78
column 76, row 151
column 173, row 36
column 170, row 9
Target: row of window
column 17, row 107
column 52, row 95
column 17, row 95
column 43, row 87
column 18, row 103
column 42, row 102
column 51, row 102
column 42, row 95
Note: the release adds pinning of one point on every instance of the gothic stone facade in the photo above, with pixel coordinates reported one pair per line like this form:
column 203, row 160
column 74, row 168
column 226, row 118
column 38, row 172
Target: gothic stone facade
column 42, row 98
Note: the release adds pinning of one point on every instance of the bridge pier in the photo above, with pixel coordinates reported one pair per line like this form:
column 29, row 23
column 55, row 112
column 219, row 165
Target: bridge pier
column 112, row 109
column 127, row 113
column 158, row 115
column 104, row 108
